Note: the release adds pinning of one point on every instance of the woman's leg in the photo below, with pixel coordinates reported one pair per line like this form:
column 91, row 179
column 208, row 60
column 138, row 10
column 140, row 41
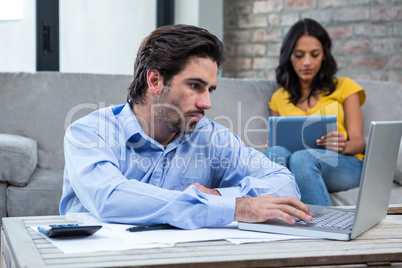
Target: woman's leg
column 278, row 154
column 320, row 172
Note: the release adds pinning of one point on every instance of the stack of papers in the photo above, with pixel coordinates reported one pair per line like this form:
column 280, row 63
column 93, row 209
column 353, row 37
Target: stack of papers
column 116, row 237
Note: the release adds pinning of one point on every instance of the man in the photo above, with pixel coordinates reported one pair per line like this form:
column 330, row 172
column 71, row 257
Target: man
column 156, row 159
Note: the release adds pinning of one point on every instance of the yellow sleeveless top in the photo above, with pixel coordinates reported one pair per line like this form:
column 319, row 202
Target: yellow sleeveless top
column 326, row 105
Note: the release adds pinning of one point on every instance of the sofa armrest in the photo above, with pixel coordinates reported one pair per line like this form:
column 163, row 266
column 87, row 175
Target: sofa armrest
column 18, row 159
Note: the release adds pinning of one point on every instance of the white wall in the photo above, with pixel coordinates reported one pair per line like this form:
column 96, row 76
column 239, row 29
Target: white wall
column 98, row 36
column 207, row 14
column 103, row 36
column 18, row 41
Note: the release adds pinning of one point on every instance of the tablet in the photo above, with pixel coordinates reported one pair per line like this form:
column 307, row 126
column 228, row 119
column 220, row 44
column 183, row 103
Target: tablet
column 299, row 132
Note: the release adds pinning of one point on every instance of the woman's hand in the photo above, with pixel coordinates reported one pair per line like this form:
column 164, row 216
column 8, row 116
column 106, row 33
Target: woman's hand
column 354, row 144
column 334, row 141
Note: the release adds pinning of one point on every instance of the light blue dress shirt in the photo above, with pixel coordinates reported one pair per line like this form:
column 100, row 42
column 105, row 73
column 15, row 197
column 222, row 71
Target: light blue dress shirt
column 119, row 174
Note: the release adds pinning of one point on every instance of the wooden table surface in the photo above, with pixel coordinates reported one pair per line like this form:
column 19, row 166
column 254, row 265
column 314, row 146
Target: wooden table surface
column 382, row 245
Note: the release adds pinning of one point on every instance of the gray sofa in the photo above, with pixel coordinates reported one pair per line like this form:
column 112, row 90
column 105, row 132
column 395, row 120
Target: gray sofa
column 35, row 109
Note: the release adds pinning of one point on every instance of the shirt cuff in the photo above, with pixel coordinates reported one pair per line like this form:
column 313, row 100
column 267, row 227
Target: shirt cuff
column 221, row 210
column 230, row 192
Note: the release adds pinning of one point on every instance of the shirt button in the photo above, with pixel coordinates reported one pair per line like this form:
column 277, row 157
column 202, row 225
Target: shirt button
column 219, row 221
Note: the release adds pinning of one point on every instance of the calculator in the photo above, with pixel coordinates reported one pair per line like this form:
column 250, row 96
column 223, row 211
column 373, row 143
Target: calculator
column 66, row 230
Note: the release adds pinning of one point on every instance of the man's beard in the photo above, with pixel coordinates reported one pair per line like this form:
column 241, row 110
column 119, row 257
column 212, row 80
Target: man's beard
column 169, row 114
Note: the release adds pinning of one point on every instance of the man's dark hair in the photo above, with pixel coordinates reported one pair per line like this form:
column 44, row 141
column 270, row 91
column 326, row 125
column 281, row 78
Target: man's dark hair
column 168, row 50
column 285, row 74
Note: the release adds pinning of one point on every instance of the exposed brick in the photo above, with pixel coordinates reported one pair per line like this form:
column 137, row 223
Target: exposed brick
column 381, row 2
column 373, row 30
column 265, row 36
column 338, row 3
column 226, row 73
column 237, row 7
column 361, row 61
column 230, row 22
column 253, row 21
column 289, row 19
column 340, row 32
column 379, row 75
column 341, row 61
column 273, row 49
column 251, row 50
column 354, row 46
column 246, row 74
column 395, row 76
column 386, row 13
column 398, row 29
column 267, row 6
column 399, row 12
column 398, row 62
column 379, row 62
column 368, row 60
column 351, row 14
column 237, row 36
column 355, row 74
column 324, row 17
column 230, row 50
column 385, row 45
column 264, row 63
column 274, row 20
column 239, row 64
column 366, row 35
column 299, row 4
column 271, row 75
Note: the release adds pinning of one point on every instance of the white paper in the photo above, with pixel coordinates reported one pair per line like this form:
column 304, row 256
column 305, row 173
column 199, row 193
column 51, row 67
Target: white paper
column 116, row 237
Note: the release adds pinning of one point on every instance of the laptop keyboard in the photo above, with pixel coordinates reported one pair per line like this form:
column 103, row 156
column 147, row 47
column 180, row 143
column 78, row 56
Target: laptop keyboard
column 331, row 218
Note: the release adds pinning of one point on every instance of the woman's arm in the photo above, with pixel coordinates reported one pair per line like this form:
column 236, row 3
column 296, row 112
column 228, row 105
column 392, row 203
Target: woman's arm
column 355, row 143
column 354, row 126
column 273, row 113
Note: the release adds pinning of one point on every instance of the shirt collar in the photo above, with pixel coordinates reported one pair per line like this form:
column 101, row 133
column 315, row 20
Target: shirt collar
column 133, row 130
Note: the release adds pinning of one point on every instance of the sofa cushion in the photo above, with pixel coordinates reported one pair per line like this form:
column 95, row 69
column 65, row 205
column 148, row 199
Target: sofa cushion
column 41, row 196
column 349, row 197
column 18, row 159
column 49, row 113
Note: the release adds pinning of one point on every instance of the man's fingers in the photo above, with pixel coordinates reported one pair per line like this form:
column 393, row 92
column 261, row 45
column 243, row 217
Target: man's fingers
column 293, row 206
column 258, row 209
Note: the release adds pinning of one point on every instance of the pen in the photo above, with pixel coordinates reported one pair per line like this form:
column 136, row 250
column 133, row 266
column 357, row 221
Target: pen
column 150, row 228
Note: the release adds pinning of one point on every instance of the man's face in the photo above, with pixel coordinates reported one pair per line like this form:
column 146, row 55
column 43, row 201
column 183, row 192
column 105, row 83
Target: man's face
column 180, row 106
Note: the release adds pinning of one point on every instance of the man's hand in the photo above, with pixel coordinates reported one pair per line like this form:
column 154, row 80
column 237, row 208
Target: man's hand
column 262, row 208
column 205, row 189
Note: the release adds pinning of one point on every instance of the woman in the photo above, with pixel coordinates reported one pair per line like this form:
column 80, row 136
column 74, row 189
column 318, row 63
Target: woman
column 306, row 73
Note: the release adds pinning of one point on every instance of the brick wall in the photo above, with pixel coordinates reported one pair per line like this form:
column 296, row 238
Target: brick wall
column 366, row 34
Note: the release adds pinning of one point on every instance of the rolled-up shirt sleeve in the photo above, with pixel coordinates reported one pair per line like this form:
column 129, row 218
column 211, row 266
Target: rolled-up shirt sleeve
column 250, row 173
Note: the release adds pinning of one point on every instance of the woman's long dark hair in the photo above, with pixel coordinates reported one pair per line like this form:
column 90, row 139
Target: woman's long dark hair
column 285, row 74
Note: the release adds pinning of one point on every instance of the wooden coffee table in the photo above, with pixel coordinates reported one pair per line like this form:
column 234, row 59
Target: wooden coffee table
column 382, row 245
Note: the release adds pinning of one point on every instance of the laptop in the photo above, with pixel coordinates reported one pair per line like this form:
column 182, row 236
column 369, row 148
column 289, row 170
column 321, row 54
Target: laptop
column 299, row 132
column 372, row 202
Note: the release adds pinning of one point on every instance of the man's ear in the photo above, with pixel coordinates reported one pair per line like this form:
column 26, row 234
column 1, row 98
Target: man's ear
column 155, row 81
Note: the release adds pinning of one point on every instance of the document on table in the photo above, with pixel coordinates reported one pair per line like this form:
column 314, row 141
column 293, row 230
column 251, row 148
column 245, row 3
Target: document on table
column 116, row 237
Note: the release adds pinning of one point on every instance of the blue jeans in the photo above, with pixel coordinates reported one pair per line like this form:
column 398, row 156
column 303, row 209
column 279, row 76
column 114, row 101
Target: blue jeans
column 319, row 172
